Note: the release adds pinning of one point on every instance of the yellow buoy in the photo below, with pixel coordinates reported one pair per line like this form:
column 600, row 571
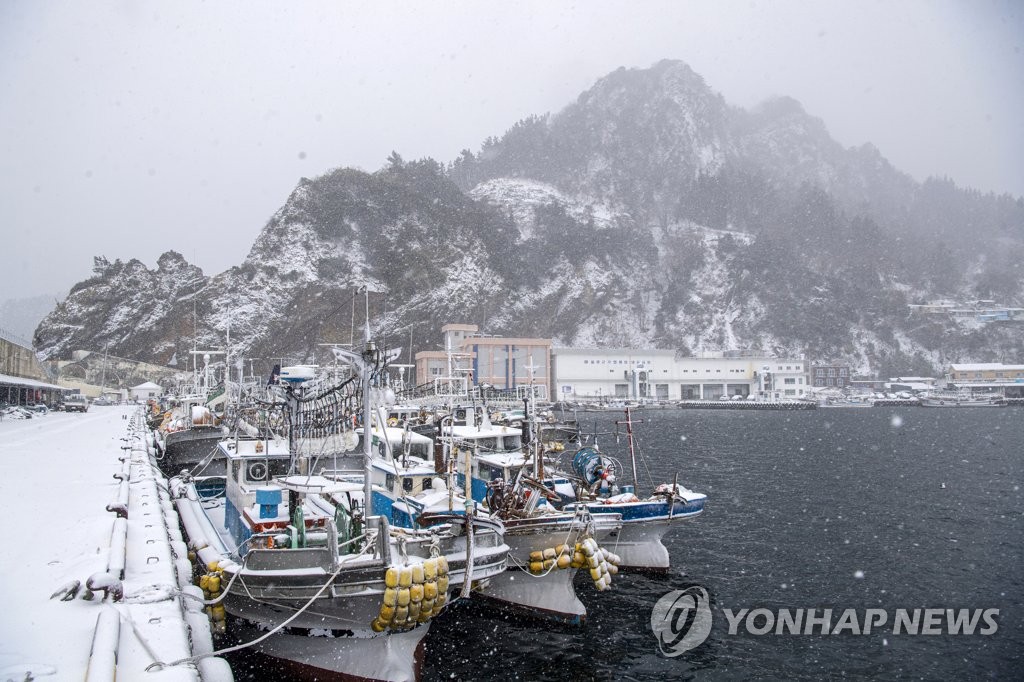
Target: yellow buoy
column 403, row 597
column 387, row 613
column 564, row 561
column 549, row 553
column 417, row 573
column 214, row 583
column 442, row 586
column 548, row 563
column 378, row 625
column 537, row 556
column 405, row 576
column 414, row 610
column 391, row 596
column 429, row 591
column 442, row 566
column 391, row 577
column 430, row 569
column 401, row 615
column 416, row 593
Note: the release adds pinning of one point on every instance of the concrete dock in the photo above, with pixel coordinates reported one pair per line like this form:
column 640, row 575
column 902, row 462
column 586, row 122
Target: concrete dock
column 94, row 576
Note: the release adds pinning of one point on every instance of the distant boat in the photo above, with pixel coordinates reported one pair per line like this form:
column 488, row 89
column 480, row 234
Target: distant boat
column 962, row 400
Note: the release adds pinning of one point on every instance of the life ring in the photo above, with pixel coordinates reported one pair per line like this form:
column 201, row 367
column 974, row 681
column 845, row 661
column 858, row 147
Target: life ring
column 392, row 421
column 257, row 471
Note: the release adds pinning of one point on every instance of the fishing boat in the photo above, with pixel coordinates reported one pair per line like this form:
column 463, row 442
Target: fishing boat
column 546, row 545
column 962, row 400
column 307, row 569
column 189, row 431
column 187, row 439
column 645, row 521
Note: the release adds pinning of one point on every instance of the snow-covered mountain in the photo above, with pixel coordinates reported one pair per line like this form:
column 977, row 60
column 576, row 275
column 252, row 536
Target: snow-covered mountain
column 646, row 213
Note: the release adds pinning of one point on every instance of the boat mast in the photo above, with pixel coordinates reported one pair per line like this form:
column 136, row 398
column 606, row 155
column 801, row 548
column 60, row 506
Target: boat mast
column 632, row 453
column 369, row 362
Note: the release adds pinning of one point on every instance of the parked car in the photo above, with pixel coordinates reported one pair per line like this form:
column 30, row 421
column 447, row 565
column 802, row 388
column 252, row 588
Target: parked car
column 76, row 402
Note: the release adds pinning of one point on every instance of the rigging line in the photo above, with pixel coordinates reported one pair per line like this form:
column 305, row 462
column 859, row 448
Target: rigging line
column 159, row 665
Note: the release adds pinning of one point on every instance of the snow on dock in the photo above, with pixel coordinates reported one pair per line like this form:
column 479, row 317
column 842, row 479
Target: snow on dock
column 87, row 516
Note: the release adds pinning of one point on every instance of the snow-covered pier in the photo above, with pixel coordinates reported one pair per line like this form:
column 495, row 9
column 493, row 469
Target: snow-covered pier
column 96, row 578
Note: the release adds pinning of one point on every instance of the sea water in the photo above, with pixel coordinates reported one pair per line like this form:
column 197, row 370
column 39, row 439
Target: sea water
column 873, row 508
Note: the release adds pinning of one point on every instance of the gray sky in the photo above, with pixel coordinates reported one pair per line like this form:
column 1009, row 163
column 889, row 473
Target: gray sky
column 131, row 128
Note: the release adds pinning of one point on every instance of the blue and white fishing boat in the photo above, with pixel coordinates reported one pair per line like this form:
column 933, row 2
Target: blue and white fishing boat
column 644, row 521
column 310, row 572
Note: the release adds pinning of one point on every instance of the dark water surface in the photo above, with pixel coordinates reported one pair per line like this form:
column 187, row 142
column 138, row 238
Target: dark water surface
column 835, row 508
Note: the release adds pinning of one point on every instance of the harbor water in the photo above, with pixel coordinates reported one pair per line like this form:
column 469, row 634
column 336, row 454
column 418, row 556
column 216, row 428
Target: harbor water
column 836, row 509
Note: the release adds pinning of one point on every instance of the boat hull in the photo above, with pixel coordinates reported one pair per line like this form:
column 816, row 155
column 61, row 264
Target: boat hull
column 551, row 595
column 644, row 524
column 194, row 450
column 394, row 658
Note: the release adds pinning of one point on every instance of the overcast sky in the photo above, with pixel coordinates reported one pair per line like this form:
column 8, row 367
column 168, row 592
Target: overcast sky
column 131, row 128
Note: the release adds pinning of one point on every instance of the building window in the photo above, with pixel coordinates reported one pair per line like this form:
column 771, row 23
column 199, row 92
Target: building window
column 831, row 372
column 842, row 371
column 790, row 380
column 819, row 372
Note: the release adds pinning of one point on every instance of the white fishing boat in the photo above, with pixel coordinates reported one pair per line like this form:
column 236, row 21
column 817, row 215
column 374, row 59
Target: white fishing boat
column 542, row 540
column 302, row 565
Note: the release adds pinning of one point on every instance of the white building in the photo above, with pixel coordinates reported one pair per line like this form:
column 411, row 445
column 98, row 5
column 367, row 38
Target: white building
column 144, row 392
column 624, row 373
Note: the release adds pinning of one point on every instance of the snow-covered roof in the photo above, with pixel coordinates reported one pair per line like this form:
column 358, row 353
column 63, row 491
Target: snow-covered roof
column 986, row 367
column 149, row 385
column 31, row 383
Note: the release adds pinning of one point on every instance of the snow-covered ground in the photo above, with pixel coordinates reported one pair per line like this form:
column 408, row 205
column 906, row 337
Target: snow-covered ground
column 56, row 480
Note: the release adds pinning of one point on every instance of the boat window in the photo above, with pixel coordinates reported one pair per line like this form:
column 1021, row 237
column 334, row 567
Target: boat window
column 513, row 441
column 488, row 443
column 428, row 483
column 421, row 450
column 257, row 470
column 389, row 482
column 490, row 473
column 280, row 467
column 407, row 484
